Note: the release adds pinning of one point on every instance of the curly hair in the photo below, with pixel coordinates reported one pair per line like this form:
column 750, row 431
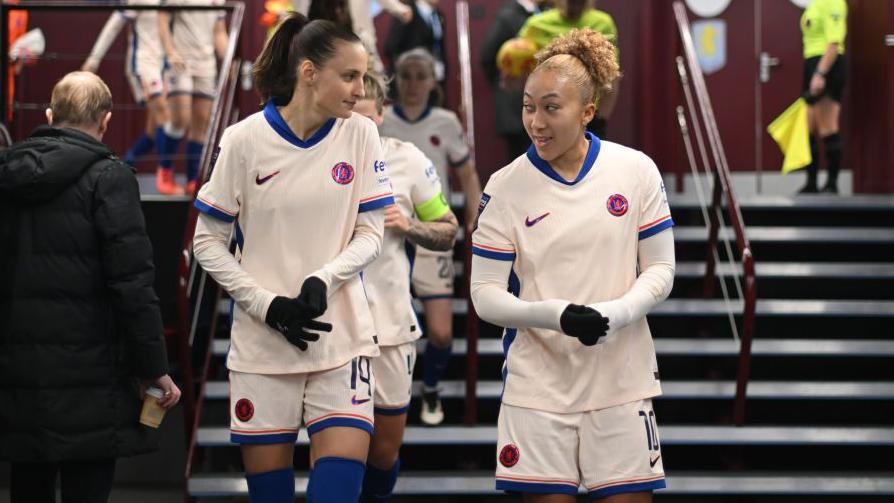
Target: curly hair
column 584, row 56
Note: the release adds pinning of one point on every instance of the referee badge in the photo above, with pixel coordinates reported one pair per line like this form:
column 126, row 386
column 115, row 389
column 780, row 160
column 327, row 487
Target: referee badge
column 617, row 205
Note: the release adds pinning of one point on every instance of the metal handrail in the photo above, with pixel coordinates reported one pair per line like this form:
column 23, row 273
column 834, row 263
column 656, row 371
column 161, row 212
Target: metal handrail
column 221, row 116
column 188, row 270
column 470, row 416
column 722, row 186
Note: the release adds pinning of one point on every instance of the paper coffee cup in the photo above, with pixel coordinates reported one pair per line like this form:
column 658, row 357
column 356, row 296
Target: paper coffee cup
column 153, row 413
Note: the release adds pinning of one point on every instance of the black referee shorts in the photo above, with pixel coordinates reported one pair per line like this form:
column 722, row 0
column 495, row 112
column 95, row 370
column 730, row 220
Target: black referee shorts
column 834, row 79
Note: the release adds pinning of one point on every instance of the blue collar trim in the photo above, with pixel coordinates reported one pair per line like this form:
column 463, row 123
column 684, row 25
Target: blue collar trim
column 400, row 113
column 589, row 161
column 271, row 113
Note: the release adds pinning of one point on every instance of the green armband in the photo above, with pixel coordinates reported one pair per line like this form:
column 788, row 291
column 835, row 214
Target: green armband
column 432, row 209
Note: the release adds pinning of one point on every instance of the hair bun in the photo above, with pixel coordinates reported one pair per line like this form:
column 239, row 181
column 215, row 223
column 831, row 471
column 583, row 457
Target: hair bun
column 592, row 49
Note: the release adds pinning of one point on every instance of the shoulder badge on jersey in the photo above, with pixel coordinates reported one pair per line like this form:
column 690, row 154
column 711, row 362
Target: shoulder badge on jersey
column 509, row 455
column 343, row 173
column 214, row 156
column 483, row 204
column 435, row 140
column 617, row 205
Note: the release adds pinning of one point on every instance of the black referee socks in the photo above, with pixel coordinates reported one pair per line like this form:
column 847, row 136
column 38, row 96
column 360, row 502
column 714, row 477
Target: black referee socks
column 810, row 187
column 833, row 147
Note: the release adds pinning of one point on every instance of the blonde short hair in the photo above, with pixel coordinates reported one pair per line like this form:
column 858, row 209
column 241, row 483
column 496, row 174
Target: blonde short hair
column 80, row 99
column 375, row 87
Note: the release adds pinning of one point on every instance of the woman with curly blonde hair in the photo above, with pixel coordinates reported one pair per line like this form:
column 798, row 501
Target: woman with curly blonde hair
column 573, row 248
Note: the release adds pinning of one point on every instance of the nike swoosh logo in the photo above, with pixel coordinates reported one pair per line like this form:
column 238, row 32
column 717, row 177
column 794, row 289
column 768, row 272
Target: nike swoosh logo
column 531, row 223
column 653, row 461
column 358, row 402
column 261, row 181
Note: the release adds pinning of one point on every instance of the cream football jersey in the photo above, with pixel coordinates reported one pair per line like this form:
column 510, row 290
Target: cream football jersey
column 417, row 191
column 295, row 204
column 575, row 241
column 193, row 32
column 437, row 133
column 143, row 43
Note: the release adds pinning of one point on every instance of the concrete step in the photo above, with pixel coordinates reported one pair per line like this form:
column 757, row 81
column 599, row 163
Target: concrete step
column 699, row 347
column 670, row 435
column 674, row 390
column 479, row 483
column 765, row 307
column 855, row 235
column 880, row 271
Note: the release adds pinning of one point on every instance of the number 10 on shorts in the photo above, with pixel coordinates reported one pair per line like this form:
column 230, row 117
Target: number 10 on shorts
column 651, row 430
column 360, row 370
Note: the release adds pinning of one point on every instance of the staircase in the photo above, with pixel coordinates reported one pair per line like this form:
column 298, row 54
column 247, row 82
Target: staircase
column 820, row 398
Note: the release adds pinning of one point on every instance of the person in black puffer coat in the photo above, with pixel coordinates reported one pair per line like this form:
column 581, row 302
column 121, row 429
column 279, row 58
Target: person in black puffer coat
column 80, row 326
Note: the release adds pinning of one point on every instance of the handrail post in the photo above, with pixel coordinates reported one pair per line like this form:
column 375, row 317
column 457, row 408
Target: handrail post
column 713, row 234
column 470, row 413
column 223, row 101
column 748, row 316
column 722, row 186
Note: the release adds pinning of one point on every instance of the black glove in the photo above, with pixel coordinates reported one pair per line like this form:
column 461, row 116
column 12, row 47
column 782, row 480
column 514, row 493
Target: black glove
column 313, row 296
column 583, row 322
column 292, row 319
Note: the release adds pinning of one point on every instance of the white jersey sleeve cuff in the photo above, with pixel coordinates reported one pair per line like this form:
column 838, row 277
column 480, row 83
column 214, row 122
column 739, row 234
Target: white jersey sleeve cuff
column 364, row 247
column 494, row 304
column 211, row 248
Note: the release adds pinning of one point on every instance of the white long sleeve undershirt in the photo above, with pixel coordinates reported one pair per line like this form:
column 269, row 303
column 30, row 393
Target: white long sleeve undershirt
column 364, row 247
column 496, row 305
column 211, row 248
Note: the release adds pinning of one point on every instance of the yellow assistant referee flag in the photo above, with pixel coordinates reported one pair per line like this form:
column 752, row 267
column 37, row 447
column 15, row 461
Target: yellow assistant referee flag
column 791, row 134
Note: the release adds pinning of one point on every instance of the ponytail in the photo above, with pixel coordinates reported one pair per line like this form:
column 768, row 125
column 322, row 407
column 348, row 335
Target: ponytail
column 295, row 40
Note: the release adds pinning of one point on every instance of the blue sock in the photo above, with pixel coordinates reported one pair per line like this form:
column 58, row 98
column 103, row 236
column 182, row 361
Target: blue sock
column 334, row 480
column 379, row 484
column 307, row 495
column 435, row 364
column 166, row 145
column 277, row 486
column 142, row 146
column 193, row 156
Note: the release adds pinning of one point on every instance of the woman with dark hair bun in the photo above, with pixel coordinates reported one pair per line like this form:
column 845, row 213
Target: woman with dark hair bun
column 302, row 187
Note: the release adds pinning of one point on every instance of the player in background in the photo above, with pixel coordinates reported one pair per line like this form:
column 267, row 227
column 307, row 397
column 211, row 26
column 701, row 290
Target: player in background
column 579, row 230
column 577, row 14
column 422, row 216
column 365, row 28
column 143, row 69
column 438, row 134
column 193, row 41
column 304, row 181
